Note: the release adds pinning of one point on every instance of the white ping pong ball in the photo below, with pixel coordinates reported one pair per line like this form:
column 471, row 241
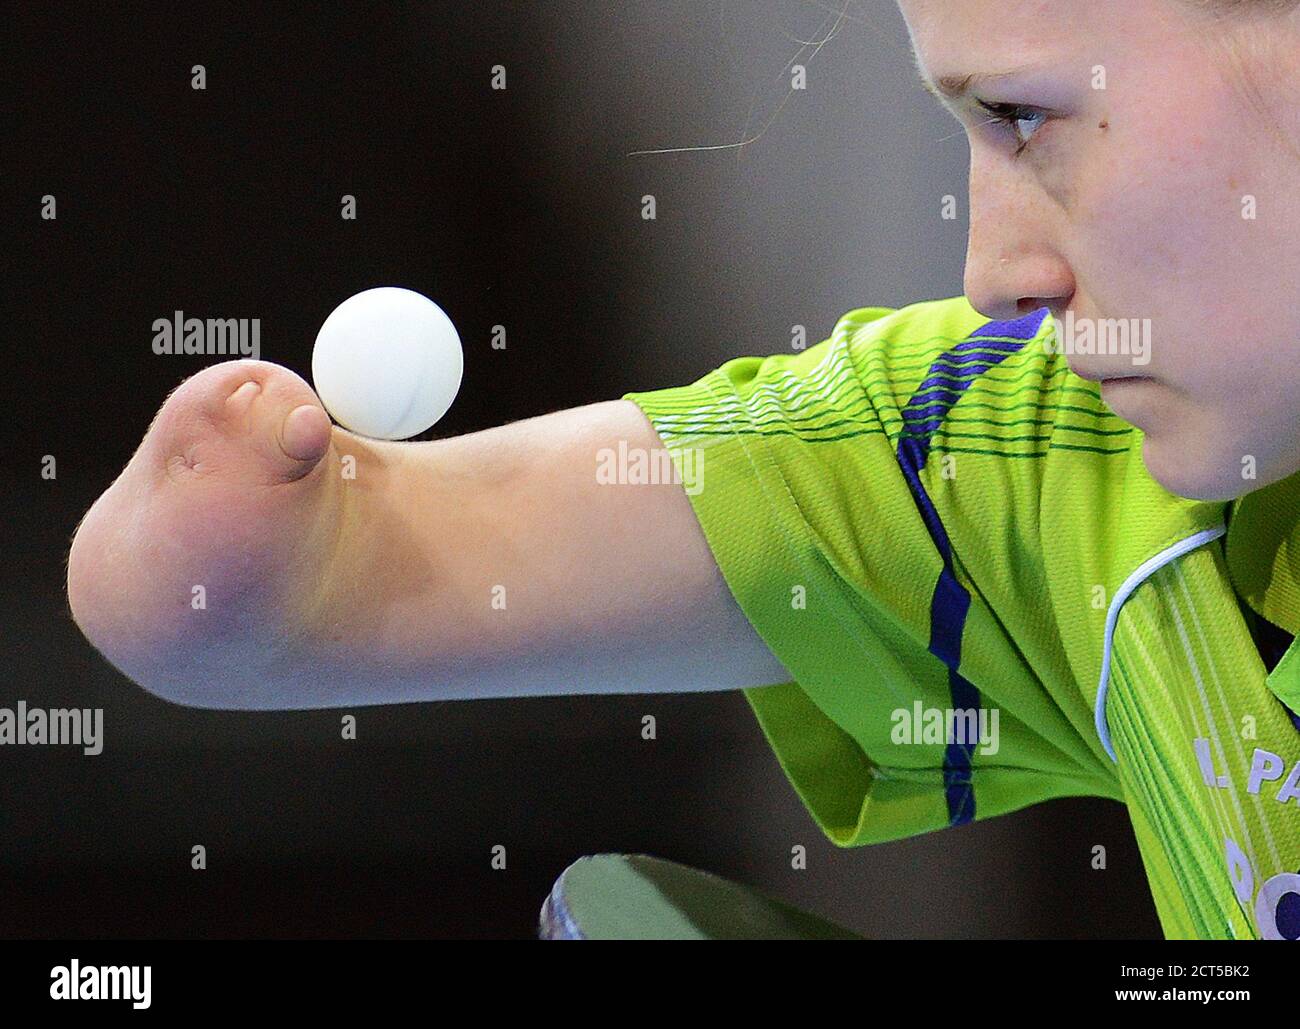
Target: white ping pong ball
column 387, row 363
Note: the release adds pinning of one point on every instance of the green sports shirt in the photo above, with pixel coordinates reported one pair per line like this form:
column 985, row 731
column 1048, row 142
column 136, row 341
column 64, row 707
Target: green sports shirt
column 985, row 601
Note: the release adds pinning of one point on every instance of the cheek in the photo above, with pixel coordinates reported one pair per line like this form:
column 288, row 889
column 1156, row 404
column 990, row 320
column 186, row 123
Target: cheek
column 1154, row 212
column 1156, row 231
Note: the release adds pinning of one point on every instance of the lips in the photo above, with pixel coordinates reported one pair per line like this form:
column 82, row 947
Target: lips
column 1097, row 375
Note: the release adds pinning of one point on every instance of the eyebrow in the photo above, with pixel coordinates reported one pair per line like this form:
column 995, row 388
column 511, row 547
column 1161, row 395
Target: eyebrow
column 954, row 87
column 948, row 88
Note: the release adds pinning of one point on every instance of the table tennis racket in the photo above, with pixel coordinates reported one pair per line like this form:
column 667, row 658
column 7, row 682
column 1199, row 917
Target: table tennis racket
column 638, row 897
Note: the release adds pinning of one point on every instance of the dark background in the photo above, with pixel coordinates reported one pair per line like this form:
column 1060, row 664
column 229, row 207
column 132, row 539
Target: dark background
column 519, row 208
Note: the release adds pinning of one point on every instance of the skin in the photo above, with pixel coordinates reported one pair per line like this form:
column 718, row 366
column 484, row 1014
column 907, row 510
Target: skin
column 376, row 585
column 1127, row 203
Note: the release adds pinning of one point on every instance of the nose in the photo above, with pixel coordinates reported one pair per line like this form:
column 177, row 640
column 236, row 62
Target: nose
column 1013, row 266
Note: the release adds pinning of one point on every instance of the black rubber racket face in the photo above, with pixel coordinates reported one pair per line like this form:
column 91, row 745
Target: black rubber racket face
column 638, row 897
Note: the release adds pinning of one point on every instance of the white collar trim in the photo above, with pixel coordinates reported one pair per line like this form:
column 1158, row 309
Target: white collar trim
column 1140, row 574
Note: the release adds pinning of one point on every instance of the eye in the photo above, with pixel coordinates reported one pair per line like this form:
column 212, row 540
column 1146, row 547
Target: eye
column 1015, row 116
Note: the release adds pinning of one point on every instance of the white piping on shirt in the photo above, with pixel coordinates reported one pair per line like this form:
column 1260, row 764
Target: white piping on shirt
column 1143, row 571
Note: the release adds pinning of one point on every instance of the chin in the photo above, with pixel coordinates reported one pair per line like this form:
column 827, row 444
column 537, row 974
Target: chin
column 1196, row 473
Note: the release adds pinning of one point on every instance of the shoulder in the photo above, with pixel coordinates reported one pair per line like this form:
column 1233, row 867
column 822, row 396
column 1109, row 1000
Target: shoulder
column 956, row 381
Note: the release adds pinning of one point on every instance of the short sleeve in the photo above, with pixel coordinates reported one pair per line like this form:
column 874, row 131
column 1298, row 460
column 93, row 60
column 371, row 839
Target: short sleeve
column 875, row 518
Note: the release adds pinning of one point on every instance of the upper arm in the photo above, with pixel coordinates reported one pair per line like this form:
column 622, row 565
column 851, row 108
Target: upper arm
column 872, row 503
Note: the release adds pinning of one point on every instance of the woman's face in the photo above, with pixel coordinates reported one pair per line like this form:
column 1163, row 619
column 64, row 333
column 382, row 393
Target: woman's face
column 1159, row 181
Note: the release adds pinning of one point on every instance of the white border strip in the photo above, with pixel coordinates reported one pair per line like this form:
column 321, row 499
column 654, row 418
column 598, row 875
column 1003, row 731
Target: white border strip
column 1143, row 571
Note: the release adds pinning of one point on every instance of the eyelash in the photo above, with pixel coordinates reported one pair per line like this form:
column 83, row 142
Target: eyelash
column 1009, row 115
